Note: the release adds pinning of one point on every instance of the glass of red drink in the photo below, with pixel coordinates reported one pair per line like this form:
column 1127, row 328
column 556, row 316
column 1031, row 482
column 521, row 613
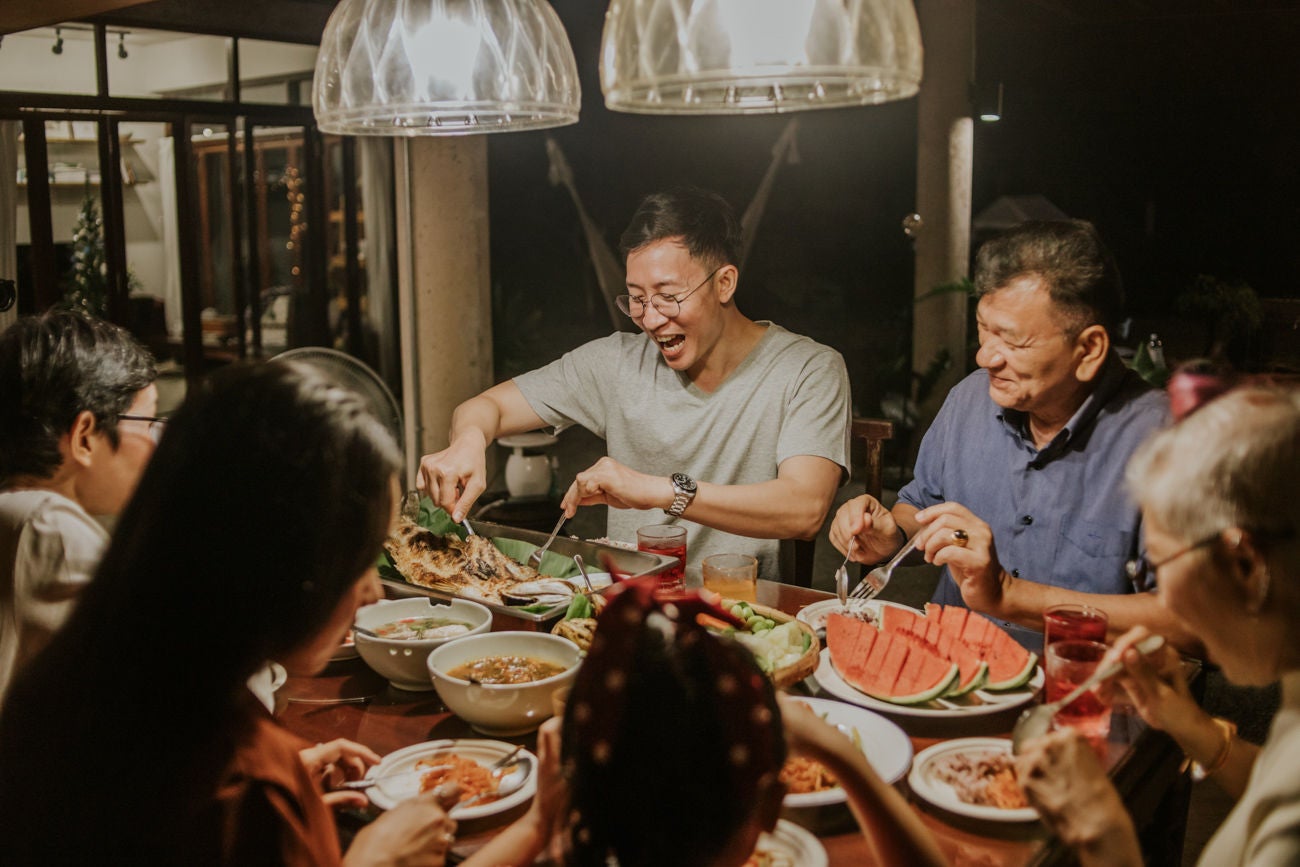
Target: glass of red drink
column 670, row 541
column 1069, row 663
column 1074, row 622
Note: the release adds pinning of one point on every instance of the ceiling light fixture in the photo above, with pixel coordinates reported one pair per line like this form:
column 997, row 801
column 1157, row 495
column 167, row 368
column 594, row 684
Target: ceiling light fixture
column 444, row 67
column 757, row 56
column 121, row 45
column 58, row 41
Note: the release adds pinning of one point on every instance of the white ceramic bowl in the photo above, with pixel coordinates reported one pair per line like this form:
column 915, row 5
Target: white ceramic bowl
column 402, row 660
column 503, row 709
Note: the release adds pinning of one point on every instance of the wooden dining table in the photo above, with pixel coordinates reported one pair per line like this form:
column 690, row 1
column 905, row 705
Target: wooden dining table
column 349, row 700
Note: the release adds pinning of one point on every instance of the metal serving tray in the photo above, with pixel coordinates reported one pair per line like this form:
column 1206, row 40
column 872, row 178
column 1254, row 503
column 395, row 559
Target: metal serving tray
column 634, row 563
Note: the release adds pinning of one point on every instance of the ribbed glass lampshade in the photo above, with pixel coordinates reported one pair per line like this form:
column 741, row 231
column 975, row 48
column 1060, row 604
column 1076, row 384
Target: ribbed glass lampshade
column 444, row 67
column 757, row 56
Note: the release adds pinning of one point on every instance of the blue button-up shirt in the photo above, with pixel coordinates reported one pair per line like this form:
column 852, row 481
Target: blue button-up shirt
column 1060, row 515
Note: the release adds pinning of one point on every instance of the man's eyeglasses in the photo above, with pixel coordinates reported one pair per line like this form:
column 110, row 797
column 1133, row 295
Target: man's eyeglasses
column 156, row 425
column 667, row 305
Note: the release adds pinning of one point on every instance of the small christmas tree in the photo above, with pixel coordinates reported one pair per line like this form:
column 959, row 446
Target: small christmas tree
column 85, row 287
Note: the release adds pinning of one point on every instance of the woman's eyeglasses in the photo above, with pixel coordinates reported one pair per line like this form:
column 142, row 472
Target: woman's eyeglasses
column 667, row 305
column 156, row 425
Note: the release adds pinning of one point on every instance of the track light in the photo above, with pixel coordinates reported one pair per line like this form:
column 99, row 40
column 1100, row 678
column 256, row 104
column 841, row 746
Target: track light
column 121, row 45
column 58, row 41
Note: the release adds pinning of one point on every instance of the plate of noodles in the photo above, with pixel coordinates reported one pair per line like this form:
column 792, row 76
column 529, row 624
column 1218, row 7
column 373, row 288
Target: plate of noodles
column 464, row 761
column 973, row 777
column 887, row 747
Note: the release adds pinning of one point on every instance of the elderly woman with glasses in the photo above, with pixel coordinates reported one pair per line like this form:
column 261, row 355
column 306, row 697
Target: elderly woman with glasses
column 1220, row 495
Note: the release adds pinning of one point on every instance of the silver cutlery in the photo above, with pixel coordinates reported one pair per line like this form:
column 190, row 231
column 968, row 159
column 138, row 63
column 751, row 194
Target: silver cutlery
column 535, row 558
column 582, row 570
column 370, row 782
column 877, row 578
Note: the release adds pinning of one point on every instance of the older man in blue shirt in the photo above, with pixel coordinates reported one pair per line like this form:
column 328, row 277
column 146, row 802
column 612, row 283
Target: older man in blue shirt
column 1030, row 449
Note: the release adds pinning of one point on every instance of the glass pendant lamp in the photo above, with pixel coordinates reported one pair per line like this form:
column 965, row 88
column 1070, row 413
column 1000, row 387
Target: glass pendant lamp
column 757, row 56
column 444, row 67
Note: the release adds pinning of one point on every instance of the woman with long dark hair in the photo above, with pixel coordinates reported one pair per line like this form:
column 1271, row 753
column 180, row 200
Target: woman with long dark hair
column 134, row 738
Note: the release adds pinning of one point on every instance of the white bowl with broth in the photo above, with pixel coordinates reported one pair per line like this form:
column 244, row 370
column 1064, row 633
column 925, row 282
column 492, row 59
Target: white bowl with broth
column 462, row 672
column 408, row 629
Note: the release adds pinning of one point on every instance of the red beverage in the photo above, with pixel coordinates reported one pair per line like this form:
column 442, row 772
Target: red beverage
column 668, row 540
column 1070, row 663
column 1074, row 623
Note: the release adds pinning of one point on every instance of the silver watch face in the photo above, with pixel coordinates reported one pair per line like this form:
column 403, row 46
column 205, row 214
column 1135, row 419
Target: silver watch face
column 684, row 483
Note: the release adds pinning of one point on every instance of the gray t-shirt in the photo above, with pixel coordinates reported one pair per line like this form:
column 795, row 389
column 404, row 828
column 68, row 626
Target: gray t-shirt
column 788, row 397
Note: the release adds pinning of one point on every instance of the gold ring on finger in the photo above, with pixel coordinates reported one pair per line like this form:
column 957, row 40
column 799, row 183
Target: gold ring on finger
column 960, row 538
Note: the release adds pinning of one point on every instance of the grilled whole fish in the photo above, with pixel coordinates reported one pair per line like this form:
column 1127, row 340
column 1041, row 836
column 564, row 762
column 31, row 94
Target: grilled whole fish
column 472, row 567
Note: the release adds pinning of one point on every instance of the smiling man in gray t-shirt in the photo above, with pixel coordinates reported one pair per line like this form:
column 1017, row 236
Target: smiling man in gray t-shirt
column 737, row 428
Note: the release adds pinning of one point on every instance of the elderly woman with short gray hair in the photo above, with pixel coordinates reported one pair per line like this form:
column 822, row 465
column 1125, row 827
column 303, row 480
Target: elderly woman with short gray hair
column 1220, row 498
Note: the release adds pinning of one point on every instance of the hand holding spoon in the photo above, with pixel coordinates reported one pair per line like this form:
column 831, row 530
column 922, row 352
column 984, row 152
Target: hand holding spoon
column 1036, row 721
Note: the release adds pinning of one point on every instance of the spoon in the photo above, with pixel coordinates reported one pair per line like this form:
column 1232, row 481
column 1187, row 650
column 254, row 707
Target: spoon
column 370, row 782
column 582, row 568
column 1036, row 721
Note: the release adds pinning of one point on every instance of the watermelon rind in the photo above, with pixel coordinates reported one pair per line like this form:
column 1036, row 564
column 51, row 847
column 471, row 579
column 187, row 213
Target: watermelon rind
column 1019, row 680
column 977, row 682
column 937, row 691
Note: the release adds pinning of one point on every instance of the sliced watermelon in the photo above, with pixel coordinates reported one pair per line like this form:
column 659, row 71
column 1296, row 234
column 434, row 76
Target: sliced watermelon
column 1010, row 666
column 894, row 669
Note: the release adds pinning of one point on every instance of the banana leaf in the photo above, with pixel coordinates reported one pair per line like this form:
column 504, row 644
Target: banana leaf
column 433, row 518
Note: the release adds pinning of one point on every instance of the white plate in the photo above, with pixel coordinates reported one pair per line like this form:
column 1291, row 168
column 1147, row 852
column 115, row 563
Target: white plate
column 815, row 614
column 346, row 650
column 389, row 794
column 926, row 785
column 887, row 748
column 791, row 846
column 978, row 703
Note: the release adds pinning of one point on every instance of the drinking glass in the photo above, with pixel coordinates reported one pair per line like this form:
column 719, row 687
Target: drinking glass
column 670, row 541
column 1069, row 663
column 1074, row 622
column 732, row 576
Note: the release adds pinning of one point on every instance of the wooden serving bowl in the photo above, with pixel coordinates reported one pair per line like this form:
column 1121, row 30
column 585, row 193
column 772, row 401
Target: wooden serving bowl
column 807, row 664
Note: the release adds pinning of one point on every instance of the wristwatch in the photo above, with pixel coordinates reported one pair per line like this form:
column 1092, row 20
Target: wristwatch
column 684, row 488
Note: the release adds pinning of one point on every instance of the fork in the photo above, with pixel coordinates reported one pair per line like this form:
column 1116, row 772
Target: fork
column 535, row 558
column 877, row 578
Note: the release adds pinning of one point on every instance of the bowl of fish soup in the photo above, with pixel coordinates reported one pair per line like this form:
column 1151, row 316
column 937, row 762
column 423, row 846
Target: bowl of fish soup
column 407, row 630
column 501, row 683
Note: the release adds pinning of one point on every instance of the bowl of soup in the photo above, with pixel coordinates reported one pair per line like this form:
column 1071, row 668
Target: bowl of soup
column 395, row 637
column 501, row 683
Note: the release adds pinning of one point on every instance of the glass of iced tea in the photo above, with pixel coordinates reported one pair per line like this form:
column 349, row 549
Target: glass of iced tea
column 1074, row 622
column 1069, row 663
column 732, row 576
column 670, row 541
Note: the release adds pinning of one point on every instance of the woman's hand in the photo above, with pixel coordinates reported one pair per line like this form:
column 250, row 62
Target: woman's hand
column 1064, row 780
column 335, row 762
column 1156, row 683
column 416, row 833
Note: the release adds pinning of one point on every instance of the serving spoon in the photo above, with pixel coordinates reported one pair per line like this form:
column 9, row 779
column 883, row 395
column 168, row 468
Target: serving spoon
column 1036, row 721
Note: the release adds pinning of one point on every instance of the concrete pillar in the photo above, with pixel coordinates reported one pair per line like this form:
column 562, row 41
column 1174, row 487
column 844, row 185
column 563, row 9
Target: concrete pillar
column 444, row 293
column 944, row 139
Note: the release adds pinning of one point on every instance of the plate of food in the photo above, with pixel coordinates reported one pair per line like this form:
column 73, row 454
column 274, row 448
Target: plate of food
column 783, row 647
column 887, row 748
column 408, row 772
column 788, row 845
column 815, row 614
column 944, row 662
column 973, row 777
column 347, row 649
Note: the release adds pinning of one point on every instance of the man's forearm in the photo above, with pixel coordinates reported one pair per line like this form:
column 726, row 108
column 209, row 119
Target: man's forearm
column 777, row 509
column 1023, row 602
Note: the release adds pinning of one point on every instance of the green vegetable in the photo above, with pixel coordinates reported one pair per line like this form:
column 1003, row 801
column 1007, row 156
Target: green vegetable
column 579, row 608
column 807, row 641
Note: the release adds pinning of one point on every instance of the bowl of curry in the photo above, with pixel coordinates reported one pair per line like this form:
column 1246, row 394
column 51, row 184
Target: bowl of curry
column 501, row 683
